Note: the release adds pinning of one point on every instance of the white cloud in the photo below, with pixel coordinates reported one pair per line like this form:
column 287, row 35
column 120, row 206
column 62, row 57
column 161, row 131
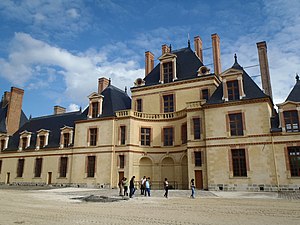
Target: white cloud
column 73, row 107
column 36, row 64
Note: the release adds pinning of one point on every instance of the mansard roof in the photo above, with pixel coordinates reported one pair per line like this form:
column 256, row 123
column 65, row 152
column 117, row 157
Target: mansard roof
column 53, row 123
column 294, row 95
column 252, row 91
column 187, row 65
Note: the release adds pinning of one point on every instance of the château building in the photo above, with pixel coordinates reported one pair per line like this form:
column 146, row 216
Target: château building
column 182, row 121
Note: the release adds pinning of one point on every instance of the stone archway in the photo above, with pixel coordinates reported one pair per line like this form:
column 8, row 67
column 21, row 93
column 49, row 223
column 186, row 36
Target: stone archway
column 168, row 170
column 145, row 167
column 184, row 173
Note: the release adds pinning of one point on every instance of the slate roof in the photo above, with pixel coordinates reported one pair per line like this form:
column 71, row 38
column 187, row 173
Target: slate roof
column 53, row 123
column 295, row 92
column 252, row 91
column 187, row 65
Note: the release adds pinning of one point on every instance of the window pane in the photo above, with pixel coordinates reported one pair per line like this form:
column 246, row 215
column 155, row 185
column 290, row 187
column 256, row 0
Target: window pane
column 38, row 167
column 93, row 136
column 139, row 105
column 66, row 139
column 122, row 161
column 63, row 166
column 91, row 166
column 20, row 168
column 42, row 141
column 145, row 136
column 168, row 72
column 168, row 103
column 95, row 112
column 184, row 133
column 2, row 144
column 198, row 159
column 236, row 124
column 205, row 94
column 168, row 136
column 291, row 121
column 239, row 162
column 294, row 159
column 24, row 142
column 197, row 130
column 233, row 90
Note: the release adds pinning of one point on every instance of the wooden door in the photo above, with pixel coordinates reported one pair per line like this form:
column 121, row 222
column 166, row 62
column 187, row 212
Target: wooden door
column 49, row 178
column 198, row 179
column 121, row 175
column 7, row 178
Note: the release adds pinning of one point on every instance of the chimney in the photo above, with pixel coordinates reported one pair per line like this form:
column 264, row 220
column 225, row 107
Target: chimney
column 216, row 53
column 164, row 49
column 14, row 110
column 5, row 98
column 149, row 62
column 59, row 110
column 198, row 47
column 264, row 68
column 102, row 84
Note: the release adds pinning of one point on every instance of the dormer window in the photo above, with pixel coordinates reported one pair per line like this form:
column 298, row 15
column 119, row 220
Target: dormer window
column 233, row 90
column 25, row 137
column 3, row 142
column 167, row 72
column 291, row 121
column 95, row 105
column 42, row 138
column 95, row 109
column 66, row 137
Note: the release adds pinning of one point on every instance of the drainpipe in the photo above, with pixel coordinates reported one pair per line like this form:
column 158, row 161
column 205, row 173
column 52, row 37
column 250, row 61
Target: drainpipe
column 275, row 163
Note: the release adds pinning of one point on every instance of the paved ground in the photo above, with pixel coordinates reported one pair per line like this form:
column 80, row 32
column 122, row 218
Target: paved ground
column 65, row 206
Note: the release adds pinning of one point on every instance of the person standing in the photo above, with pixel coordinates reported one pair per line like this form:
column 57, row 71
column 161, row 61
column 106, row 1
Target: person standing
column 193, row 188
column 166, row 187
column 147, row 186
column 125, row 185
column 143, row 180
column 120, row 184
column 131, row 187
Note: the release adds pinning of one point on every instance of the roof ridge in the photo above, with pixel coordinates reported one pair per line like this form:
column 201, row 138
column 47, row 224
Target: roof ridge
column 56, row 115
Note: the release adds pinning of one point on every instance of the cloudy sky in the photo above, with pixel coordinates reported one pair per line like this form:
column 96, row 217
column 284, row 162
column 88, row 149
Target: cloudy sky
column 57, row 49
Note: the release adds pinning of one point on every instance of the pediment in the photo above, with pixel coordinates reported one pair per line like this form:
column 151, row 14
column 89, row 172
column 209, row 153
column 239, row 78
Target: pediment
column 95, row 95
column 167, row 55
column 66, row 128
column 231, row 72
column 288, row 105
column 25, row 132
column 43, row 131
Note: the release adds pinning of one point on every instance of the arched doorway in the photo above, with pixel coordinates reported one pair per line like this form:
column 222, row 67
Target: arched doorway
column 145, row 167
column 184, row 173
column 167, row 171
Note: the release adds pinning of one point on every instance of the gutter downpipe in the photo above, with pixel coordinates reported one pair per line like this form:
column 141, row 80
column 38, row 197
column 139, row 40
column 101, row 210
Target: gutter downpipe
column 275, row 163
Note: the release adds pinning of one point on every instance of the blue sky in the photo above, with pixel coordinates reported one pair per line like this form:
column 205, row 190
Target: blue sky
column 57, row 49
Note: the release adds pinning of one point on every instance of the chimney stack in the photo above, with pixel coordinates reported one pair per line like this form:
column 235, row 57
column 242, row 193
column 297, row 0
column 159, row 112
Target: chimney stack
column 216, row 53
column 198, row 47
column 264, row 68
column 14, row 110
column 102, row 84
column 164, row 49
column 59, row 110
column 5, row 98
column 149, row 62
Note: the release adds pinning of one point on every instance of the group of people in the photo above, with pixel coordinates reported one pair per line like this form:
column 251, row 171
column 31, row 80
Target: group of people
column 145, row 186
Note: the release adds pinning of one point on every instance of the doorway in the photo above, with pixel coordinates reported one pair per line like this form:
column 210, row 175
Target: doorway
column 7, row 178
column 121, row 175
column 49, row 179
column 198, row 179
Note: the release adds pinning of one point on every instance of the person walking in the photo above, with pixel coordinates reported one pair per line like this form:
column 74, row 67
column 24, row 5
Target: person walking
column 147, row 186
column 125, row 185
column 166, row 187
column 131, row 187
column 143, row 180
column 120, row 184
column 193, row 188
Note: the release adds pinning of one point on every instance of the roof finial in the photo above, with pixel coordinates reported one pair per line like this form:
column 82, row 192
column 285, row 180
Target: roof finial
column 109, row 81
column 189, row 42
column 235, row 58
column 170, row 47
column 126, row 89
column 30, row 117
column 297, row 77
column 80, row 109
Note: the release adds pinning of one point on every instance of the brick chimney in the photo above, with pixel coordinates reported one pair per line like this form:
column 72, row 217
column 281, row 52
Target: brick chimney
column 149, row 62
column 102, row 84
column 164, row 49
column 216, row 53
column 14, row 110
column 264, row 68
column 198, row 47
column 59, row 110
column 5, row 98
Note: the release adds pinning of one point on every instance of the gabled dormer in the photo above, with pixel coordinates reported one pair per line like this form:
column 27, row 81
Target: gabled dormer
column 24, row 142
column 42, row 138
column 232, row 82
column 66, row 136
column 167, row 66
column 95, row 105
column 3, row 142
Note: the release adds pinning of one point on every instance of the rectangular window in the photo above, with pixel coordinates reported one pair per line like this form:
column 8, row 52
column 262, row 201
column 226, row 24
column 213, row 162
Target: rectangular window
column 20, row 168
column 239, row 162
column 42, row 141
column 145, row 136
column 236, row 124
column 184, row 133
column 122, row 135
column 93, row 136
column 91, row 166
column 139, row 105
column 197, row 130
column 0, row 166
column 294, row 159
column 2, row 144
column 233, row 90
column 198, row 159
column 24, row 142
column 63, row 168
column 205, row 94
column 291, row 121
column 38, row 167
column 168, row 103
column 168, row 136
column 95, row 112
column 168, row 72
column 66, row 139
column 122, row 161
